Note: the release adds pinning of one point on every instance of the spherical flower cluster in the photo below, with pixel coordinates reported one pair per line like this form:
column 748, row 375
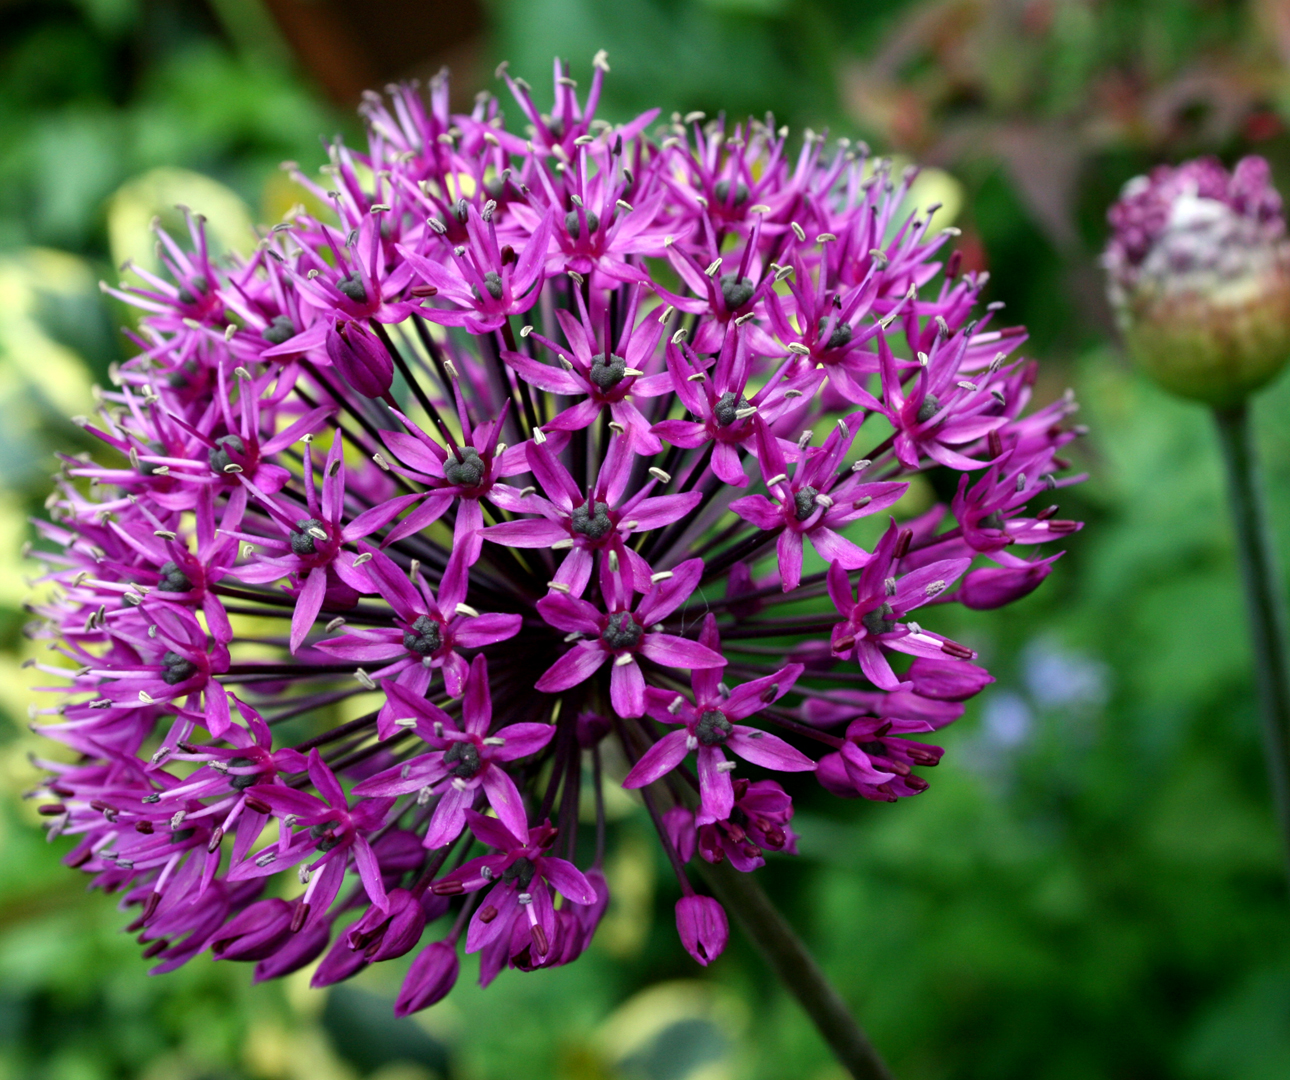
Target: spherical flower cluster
column 496, row 482
column 1199, row 275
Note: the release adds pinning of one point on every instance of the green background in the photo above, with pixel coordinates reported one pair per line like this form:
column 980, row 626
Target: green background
column 1091, row 888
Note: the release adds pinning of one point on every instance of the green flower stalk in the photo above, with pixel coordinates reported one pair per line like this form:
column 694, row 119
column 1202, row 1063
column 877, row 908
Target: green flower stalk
column 1199, row 270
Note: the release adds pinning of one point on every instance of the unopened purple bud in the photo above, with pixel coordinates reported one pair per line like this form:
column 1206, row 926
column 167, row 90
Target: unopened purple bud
column 398, row 851
column 679, row 823
column 995, row 586
column 430, row 979
column 434, row 905
column 361, row 359
column 577, row 923
column 298, row 950
column 255, row 933
column 741, row 583
column 340, row 963
column 592, row 727
column 589, row 915
column 947, row 680
column 701, row 923
column 387, row 934
column 831, row 772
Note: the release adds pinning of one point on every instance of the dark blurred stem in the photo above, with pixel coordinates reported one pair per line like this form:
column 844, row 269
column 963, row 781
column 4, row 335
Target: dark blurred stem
column 1265, row 599
column 796, row 968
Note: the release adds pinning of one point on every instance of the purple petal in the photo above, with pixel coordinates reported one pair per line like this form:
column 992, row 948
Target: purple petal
column 928, row 582
column 660, row 759
column 449, row 816
column 522, row 740
column 727, row 466
column 684, row 433
column 627, row 688
column 679, row 652
column 504, row 798
column 716, row 789
column 702, row 926
column 324, row 780
column 663, row 510
column 501, row 901
column 788, row 548
column 369, row 870
column 759, row 510
column 568, row 880
column 353, row 647
column 834, row 547
column 768, row 751
column 369, row 521
column 477, row 705
column 875, row 666
column 475, row 632
column 308, row 604
column 748, row 697
column 569, row 614
column 669, row 594
column 492, row 832
column 575, row 570
column 574, row 667
column 530, row 533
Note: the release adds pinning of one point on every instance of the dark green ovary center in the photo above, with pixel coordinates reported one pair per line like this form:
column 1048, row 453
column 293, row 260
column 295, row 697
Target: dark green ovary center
column 879, row 621
column 424, row 638
column 804, row 502
column 302, row 543
column 522, row 871
column 464, row 468
column 713, row 728
column 591, row 521
column 608, row 371
column 177, row 668
column 463, row 759
column 622, row 631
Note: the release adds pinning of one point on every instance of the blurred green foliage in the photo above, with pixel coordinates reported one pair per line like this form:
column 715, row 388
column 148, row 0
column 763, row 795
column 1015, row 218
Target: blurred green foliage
column 1091, row 889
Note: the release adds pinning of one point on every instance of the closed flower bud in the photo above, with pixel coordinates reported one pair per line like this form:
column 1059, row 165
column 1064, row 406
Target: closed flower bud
column 255, row 933
column 679, row 825
column 996, row 586
column 340, row 963
column 702, row 926
column 298, row 950
column 1199, row 275
column 430, row 979
column 947, row 680
column 361, row 359
column 387, row 934
column 592, row 727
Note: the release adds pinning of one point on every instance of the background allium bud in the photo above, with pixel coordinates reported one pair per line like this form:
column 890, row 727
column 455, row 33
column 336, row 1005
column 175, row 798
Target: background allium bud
column 1199, row 275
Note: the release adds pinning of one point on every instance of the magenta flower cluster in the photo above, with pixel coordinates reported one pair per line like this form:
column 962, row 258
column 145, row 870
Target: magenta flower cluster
column 497, row 481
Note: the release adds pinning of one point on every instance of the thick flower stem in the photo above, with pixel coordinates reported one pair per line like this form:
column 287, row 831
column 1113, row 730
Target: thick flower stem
column 1265, row 599
column 796, row 968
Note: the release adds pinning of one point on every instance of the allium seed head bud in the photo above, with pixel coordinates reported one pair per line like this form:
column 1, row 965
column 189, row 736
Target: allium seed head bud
column 1199, row 275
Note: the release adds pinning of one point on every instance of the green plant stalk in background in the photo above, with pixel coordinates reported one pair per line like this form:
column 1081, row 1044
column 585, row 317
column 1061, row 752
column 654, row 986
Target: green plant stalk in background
column 796, row 968
column 1265, row 600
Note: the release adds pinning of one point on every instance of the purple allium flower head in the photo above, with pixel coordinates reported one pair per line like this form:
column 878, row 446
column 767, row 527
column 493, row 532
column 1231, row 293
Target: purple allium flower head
column 1198, row 268
column 406, row 515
